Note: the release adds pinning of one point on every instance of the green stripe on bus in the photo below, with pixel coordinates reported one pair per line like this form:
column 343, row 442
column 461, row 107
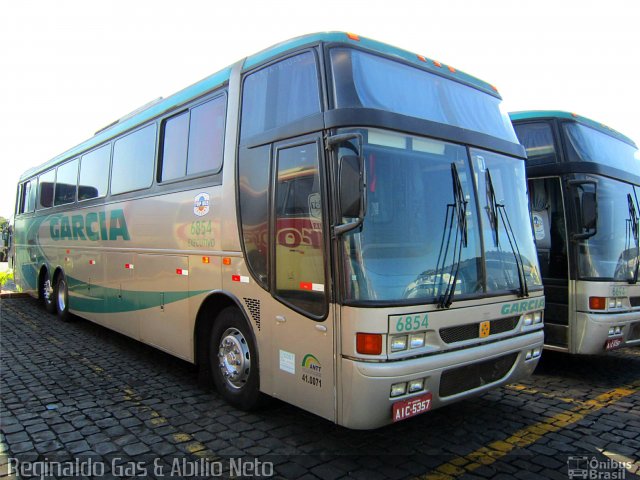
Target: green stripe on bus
column 98, row 299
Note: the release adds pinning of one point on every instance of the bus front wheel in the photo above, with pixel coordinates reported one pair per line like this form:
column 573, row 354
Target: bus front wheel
column 233, row 361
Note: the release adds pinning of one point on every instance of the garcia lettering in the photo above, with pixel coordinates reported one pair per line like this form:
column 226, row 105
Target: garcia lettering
column 93, row 226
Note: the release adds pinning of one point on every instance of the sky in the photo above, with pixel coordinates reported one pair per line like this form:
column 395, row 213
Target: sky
column 70, row 67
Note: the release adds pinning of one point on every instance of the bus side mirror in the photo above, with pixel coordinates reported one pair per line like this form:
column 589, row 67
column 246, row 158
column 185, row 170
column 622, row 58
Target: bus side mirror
column 352, row 200
column 589, row 211
column 351, row 186
column 588, row 208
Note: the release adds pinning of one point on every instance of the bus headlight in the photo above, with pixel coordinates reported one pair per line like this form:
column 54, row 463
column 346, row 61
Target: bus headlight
column 398, row 389
column 534, row 318
column 398, row 343
column 614, row 331
column 416, row 385
column 416, row 340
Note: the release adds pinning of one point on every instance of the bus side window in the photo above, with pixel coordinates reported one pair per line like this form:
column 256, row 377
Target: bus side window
column 27, row 202
column 193, row 141
column 537, row 139
column 280, row 94
column 253, row 175
column 133, row 159
column 45, row 189
column 94, row 173
column 299, row 237
column 66, row 183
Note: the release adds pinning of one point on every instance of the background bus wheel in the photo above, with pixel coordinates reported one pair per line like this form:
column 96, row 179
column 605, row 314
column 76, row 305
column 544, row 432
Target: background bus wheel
column 233, row 361
column 48, row 294
column 61, row 296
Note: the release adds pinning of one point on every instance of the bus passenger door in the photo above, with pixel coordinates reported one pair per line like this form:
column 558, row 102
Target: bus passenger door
column 301, row 319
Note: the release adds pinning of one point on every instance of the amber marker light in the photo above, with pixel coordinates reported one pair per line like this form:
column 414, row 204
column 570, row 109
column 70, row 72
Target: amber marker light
column 597, row 303
column 353, row 36
column 206, row 260
column 369, row 343
column 226, row 261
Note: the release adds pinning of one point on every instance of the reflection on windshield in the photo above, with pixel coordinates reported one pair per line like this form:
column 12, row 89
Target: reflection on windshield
column 412, row 243
column 612, row 253
column 506, row 229
column 589, row 145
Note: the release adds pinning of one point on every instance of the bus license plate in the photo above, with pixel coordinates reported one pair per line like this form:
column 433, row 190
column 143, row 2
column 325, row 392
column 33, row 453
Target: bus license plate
column 613, row 343
column 411, row 407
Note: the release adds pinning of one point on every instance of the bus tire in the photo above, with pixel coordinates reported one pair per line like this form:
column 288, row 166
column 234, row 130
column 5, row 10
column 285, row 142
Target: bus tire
column 48, row 293
column 233, row 361
column 61, row 296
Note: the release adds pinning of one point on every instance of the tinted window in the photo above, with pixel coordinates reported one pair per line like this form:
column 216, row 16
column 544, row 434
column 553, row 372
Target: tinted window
column 537, row 139
column 366, row 80
column 45, row 189
column 133, row 158
column 206, row 137
column 253, row 174
column 280, row 94
column 299, row 258
column 94, row 173
column 589, row 145
column 174, row 150
column 194, row 141
column 66, row 183
column 27, row 198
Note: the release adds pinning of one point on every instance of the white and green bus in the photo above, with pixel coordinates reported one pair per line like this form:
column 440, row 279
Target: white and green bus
column 333, row 222
column 584, row 188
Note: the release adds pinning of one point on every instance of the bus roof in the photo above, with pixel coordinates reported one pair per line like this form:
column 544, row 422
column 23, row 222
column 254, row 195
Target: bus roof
column 161, row 106
column 546, row 114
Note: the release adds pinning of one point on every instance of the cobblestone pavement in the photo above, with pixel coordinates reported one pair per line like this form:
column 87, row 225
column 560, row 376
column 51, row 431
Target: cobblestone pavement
column 78, row 394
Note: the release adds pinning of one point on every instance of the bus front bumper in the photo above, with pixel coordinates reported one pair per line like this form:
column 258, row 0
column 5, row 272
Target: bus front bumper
column 366, row 390
column 592, row 337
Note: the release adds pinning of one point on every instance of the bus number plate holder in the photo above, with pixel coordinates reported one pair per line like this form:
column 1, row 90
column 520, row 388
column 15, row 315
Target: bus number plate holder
column 411, row 407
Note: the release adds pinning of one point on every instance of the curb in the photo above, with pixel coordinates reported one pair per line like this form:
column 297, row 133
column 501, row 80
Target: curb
column 13, row 295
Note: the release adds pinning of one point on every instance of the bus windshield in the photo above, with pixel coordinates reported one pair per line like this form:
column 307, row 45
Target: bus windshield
column 612, row 253
column 422, row 232
column 364, row 80
column 588, row 145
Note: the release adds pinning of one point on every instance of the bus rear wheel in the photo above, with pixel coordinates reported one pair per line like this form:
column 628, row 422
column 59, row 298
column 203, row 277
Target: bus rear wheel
column 61, row 295
column 47, row 295
column 233, row 361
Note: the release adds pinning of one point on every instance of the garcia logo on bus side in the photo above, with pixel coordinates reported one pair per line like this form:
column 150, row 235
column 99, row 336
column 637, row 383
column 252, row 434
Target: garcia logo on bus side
column 92, row 226
column 522, row 306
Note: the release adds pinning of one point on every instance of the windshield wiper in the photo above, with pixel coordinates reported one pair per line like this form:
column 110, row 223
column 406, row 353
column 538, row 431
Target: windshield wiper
column 456, row 211
column 634, row 230
column 497, row 210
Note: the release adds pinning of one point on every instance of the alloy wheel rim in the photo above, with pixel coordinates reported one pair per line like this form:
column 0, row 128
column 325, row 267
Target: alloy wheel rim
column 234, row 358
column 62, row 300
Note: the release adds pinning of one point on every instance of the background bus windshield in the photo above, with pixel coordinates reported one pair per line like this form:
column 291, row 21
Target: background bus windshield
column 589, row 145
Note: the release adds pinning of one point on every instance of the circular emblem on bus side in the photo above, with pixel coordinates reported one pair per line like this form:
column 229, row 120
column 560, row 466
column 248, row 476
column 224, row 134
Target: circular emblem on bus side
column 201, row 204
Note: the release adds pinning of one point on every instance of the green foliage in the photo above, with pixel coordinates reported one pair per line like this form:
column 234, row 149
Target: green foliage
column 5, row 277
